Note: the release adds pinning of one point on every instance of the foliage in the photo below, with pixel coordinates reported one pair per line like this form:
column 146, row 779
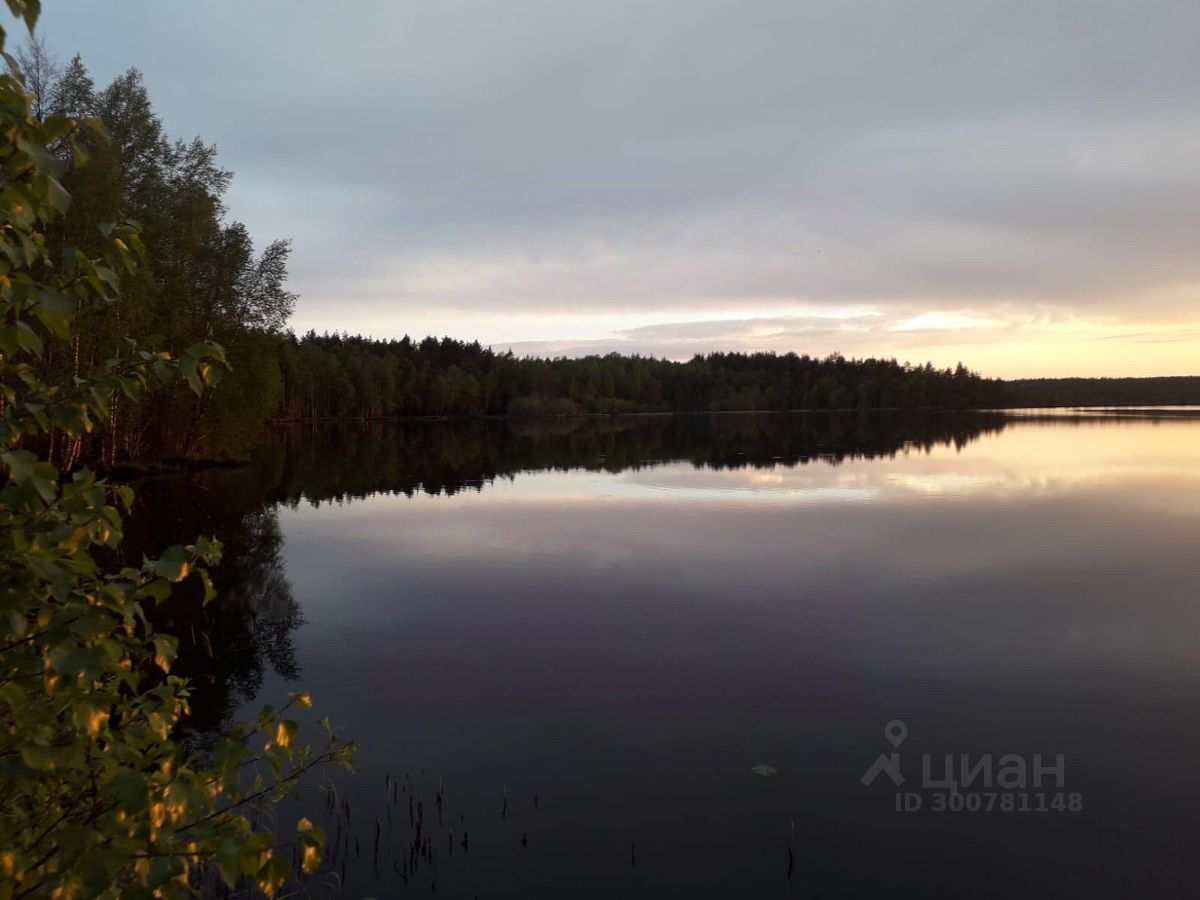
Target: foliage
column 97, row 797
column 337, row 377
column 347, row 377
column 201, row 278
column 1164, row 391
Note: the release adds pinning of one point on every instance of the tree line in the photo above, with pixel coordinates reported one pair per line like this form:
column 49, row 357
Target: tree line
column 344, row 377
column 347, row 377
column 1161, row 391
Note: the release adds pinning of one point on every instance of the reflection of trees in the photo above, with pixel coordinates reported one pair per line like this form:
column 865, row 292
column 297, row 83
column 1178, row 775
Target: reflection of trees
column 248, row 626
column 326, row 462
column 226, row 645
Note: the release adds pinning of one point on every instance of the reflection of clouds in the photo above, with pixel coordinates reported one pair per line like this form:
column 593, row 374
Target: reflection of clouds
column 766, row 478
column 1038, row 460
column 678, row 482
column 1032, row 543
column 946, row 483
column 818, row 482
column 811, row 483
column 1035, row 460
column 830, row 486
column 813, row 495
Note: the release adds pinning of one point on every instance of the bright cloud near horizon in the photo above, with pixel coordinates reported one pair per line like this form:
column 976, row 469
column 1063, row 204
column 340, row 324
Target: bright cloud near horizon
column 1013, row 184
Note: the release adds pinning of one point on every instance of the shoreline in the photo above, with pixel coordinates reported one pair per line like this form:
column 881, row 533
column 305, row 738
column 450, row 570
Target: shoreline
column 145, row 467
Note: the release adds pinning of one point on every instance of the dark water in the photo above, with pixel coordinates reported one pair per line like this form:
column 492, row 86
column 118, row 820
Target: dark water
column 613, row 622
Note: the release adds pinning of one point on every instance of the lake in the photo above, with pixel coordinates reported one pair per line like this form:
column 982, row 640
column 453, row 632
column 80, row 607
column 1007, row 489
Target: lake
column 659, row 656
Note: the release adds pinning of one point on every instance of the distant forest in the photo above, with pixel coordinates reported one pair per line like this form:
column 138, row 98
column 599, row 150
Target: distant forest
column 344, row 377
column 202, row 279
column 1165, row 391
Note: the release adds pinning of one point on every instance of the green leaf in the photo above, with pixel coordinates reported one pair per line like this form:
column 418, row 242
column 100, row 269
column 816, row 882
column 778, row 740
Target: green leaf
column 40, row 154
column 125, row 494
column 28, row 339
column 129, row 788
column 165, row 648
column 228, row 859
column 96, row 125
column 210, row 592
column 157, row 590
column 9, row 341
column 29, row 10
column 55, row 311
column 41, row 758
column 163, row 869
column 173, row 565
column 273, row 874
column 26, row 469
column 57, row 194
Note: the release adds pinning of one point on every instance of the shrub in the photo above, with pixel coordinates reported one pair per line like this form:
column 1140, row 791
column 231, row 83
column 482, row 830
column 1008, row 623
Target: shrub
column 96, row 798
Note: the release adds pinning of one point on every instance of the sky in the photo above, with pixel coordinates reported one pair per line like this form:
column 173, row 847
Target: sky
column 1014, row 184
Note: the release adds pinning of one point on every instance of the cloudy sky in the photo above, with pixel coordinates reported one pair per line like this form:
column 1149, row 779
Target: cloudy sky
column 1013, row 184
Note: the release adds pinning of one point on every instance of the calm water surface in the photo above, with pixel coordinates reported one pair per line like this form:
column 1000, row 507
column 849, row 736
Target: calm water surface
column 589, row 633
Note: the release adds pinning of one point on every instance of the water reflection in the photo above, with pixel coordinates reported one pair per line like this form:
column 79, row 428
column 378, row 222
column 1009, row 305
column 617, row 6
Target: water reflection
column 228, row 645
column 620, row 618
column 323, row 463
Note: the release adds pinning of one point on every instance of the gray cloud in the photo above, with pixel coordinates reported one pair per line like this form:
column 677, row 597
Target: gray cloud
column 857, row 335
column 749, row 328
column 650, row 156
